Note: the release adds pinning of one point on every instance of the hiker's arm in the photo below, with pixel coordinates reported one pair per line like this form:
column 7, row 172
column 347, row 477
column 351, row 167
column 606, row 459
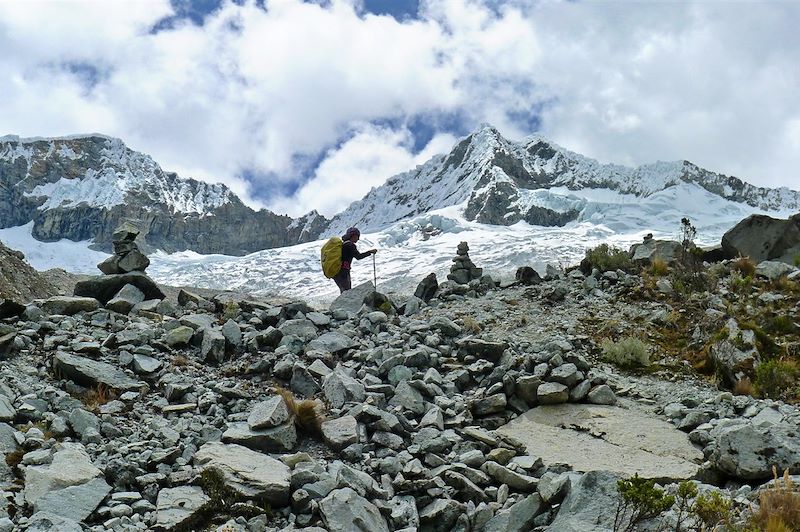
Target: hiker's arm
column 367, row 253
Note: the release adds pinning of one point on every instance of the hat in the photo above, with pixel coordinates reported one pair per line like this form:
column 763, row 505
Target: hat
column 350, row 233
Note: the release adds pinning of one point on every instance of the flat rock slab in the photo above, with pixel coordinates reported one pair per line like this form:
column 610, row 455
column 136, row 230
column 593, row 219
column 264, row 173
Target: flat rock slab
column 179, row 506
column 249, row 473
column 606, row 438
column 105, row 287
column 92, row 372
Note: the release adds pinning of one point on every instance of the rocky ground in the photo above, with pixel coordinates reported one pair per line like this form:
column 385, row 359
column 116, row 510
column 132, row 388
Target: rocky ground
column 471, row 407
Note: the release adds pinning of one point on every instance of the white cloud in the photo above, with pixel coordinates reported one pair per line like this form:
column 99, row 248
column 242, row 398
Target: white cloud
column 255, row 90
column 359, row 164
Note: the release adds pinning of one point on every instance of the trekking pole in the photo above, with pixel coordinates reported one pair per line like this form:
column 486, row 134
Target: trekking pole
column 374, row 273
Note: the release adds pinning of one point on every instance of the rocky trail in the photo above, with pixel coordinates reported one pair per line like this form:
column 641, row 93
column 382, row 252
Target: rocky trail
column 466, row 407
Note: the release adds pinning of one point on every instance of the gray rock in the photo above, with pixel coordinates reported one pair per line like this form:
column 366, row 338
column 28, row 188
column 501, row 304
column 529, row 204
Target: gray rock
column 304, row 329
column 185, row 297
column 602, row 395
column 104, row 287
column 82, row 420
column 179, row 336
column 553, row 487
column 332, row 342
column 351, row 301
column 344, row 509
column 232, row 333
column 489, row 405
column 133, row 261
column 732, row 363
column 440, row 515
column 594, row 437
column 92, row 372
column 340, row 388
column 505, row 475
column 772, row 269
column 212, row 348
column 748, row 452
column 566, row 374
column 340, row 432
column 145, row 365
column 125, row 299
column 550, row 393
column 409, row 398
column 445, row 325
column 588, row 507
column 46, row 522
column 249, row 473
column 71, row 466
column 274, row 439
column 762, row 237
column 427, row 288
column 517, row 518
column 482, row 348
column 68, row 305
column 179, row 507
column 7, row 410
column 268, row 414
column 74, row 502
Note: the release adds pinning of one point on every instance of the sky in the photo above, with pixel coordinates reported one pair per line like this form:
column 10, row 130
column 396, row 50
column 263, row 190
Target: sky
column 300, row 105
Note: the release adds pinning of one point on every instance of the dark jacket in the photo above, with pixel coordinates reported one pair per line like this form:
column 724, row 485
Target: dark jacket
column 349, row 252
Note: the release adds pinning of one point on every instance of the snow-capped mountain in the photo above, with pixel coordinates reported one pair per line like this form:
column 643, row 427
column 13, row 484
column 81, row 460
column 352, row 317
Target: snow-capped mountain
column 82, row 187
column 502, row 182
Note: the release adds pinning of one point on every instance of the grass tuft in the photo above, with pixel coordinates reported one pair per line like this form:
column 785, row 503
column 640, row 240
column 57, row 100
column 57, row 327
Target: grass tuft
column 306, row 413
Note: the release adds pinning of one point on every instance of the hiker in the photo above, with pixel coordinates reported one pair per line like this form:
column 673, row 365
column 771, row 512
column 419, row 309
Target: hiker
column 349, row 252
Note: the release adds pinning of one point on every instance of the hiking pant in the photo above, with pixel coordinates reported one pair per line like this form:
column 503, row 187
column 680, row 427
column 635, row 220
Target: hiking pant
column 342, row 280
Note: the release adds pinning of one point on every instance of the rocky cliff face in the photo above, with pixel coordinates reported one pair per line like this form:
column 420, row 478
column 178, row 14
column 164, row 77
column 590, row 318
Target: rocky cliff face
column 502, row 182
column 82, row 188
column 18, row 281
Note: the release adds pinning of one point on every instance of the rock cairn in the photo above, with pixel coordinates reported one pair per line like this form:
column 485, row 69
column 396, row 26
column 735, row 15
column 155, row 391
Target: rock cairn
column 124, row 287
column 127, row 257
column 463, row 269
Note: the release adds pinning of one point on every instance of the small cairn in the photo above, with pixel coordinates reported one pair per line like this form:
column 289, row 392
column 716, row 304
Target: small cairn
column 127, row 257
column 463, row 270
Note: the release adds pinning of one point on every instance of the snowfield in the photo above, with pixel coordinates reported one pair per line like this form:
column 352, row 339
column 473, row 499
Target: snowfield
column 411, row 249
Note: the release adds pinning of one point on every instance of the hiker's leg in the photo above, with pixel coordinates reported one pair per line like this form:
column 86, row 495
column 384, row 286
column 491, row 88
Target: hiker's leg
column 342, row 280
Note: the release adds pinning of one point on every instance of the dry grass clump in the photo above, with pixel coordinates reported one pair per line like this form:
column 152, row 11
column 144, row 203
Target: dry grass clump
column 307, row 414
column 659, row 267
column 95, row 397
column 744, row 387
column 14, row 458
column 779, row 506
column 471, row 324
column 745, row 266
column 180, row 361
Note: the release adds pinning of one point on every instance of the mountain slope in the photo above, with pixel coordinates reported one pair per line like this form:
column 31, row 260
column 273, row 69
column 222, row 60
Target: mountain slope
column 82, row 187
column 502, row 182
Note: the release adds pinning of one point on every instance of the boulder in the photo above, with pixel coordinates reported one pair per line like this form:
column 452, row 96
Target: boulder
column 268, row 414
column 10, row 309
column 179, row 336
column 332, row 342
column 732, row 363
column 69, row 305
column 749, row 452
column 249, row 473
column 90, row 372
column 105, row 287
column 589, row 505
column 280, row 438
column 74, row 502
column 133, row 261
column 427, row 288
column 145, row 365
column 527, row 276
column 340, row 432
column 773, row 269
column 340, row 388
column 344, row 509
column 762, row 237
column 645, row 253
column 7, row 411
column 351, row 301
column 47, row 522
column 125, row 299
column 212, row 348
column 70, row 466
column 178, row 508
column 517, row 518
column 304, row 329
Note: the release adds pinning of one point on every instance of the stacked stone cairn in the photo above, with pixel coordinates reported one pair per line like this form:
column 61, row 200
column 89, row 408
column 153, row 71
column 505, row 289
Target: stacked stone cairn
column 127, row 257
column 463, row 270
column 125, row 286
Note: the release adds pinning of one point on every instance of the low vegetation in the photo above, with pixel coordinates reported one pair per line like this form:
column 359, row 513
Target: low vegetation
column 607, row 258
column 629, row 352
column 306, row 413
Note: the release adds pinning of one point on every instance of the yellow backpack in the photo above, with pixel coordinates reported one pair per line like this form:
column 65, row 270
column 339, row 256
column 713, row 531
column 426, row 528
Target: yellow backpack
column 331, row 257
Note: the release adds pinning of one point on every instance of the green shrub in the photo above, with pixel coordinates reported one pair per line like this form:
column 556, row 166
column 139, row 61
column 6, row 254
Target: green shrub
column 231, row 310
column 640, row 500
column 628, row 352
column 781, row 324
column 796, row 260
column 606, row 258
column 712, row 509
column 777, row 379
